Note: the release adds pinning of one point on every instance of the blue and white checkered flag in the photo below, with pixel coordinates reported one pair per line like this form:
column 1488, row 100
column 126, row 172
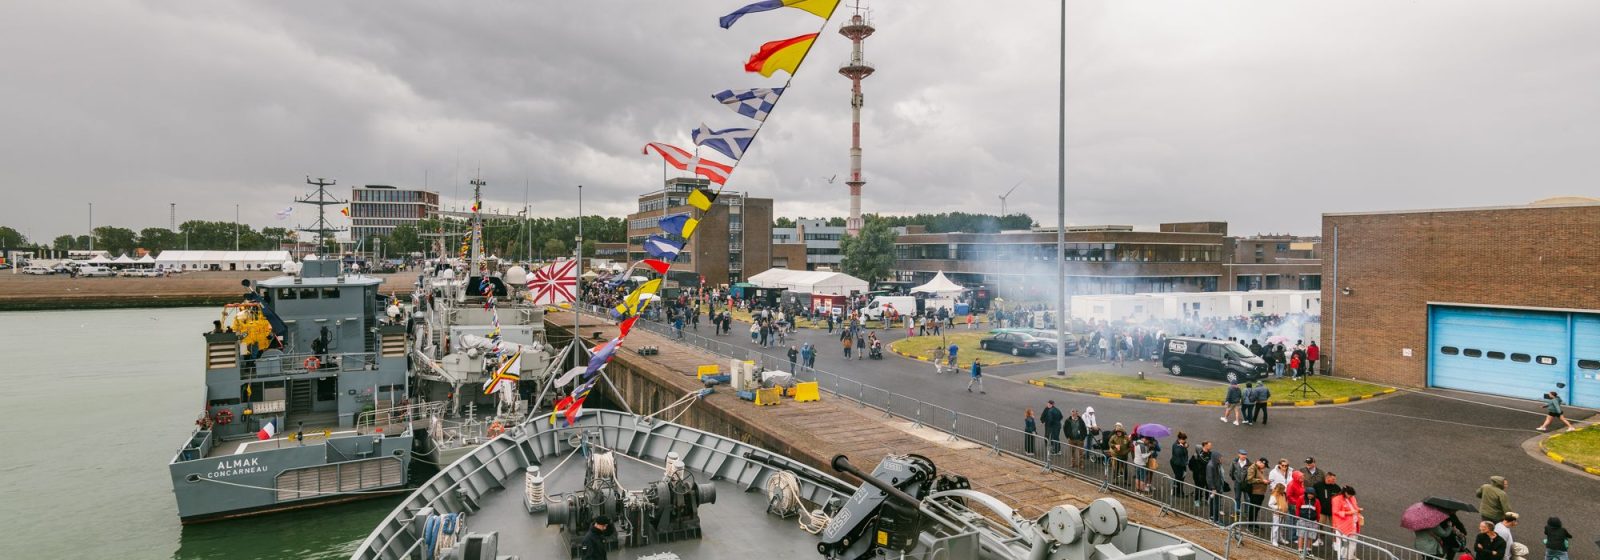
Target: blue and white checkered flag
column 732, row 142
column 753, row 103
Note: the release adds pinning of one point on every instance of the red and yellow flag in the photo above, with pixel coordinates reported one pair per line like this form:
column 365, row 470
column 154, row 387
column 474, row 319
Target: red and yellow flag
column 780, row 55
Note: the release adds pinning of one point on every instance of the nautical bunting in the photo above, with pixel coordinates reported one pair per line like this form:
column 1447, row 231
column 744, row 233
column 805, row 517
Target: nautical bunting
column 680, row 225
column 784, row 55
column 701, row 199
column 753, row 103
column 661, row 247
column 819, row 8
column 509, row 371
column 680, row 158
column 657, row 265
column 554, row 283
column 732, row 142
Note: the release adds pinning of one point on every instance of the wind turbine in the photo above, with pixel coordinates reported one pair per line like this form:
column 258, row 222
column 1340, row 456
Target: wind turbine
column 1003, row 198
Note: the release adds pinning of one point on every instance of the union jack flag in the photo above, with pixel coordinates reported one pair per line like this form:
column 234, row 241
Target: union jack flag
column 554, row 283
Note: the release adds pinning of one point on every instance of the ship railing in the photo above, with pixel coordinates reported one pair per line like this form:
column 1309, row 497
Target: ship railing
column 371, row 420
column 1084, row 463
column 310, row 363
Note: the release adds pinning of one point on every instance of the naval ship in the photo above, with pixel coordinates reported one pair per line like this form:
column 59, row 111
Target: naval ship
column 666, row 491
column 305, row 403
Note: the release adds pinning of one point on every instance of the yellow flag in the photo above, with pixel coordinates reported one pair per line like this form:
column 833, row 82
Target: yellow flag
column 700, row 200
column 688, row 227
column 819, row 8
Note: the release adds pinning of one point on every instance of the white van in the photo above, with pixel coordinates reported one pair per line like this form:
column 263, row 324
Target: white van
column 904, row 305
column 40, row 270
column 91, row 271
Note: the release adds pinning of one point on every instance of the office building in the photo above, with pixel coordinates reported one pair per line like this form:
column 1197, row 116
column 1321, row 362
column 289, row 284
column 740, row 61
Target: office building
column 821, row 242
column 732, row 242
column 375, row 210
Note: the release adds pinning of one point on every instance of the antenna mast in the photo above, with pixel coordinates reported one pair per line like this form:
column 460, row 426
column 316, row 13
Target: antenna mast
column 322, row 199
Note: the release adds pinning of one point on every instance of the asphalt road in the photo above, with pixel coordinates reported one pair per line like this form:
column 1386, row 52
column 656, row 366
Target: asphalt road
column 1395, row 450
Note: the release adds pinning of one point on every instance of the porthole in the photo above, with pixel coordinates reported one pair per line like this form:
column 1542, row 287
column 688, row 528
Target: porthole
column 1521, row 358
column 1495, row 355
column 1588, row 364
column 1449, row 350
column 1547, row 360
column 192, row 478
column 1472, row 353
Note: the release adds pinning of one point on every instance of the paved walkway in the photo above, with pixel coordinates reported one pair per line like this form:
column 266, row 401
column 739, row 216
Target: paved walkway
column 1395, row 451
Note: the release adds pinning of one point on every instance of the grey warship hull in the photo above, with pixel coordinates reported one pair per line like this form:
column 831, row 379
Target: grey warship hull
column 509, row 510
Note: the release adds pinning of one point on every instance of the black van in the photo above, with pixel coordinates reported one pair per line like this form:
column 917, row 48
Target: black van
column 1222, row 359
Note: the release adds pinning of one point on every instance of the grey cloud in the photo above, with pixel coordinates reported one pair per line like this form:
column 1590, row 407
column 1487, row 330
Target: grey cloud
column 1262, row 114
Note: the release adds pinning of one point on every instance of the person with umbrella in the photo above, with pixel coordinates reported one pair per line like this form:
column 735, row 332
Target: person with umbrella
column 1429, row 525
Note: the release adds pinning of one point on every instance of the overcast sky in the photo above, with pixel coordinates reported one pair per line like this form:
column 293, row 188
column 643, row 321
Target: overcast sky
column 1261, row 113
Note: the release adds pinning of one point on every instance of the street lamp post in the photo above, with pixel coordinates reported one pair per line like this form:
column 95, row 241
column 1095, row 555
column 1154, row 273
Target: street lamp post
column 1061, row 206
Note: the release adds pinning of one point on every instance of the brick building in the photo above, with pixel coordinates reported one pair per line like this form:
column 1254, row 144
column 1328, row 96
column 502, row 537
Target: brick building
column 732, row 242
column 375, row 210
column 1495, row 300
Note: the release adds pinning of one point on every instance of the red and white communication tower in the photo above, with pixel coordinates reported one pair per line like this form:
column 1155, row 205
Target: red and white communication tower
column 857, row 30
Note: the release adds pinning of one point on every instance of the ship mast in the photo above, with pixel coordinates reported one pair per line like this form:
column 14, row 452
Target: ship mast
column 476, row 232
column 322, row 199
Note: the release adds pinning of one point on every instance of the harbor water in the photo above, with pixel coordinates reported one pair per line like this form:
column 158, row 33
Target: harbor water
column 93, row 405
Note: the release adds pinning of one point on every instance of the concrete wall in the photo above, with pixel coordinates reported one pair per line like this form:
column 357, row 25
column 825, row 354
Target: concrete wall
column 1394, row 264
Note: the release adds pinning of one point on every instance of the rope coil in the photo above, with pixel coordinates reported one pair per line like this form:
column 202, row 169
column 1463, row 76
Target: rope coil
column 783, row 492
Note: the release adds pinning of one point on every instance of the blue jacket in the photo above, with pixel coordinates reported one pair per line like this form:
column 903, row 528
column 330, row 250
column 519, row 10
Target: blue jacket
column 1234, row 395
column 977, row 371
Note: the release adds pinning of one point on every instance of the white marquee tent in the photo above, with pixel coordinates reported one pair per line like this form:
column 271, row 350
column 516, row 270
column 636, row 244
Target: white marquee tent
column 938, row 285
column 221, row 260
column 810, row 282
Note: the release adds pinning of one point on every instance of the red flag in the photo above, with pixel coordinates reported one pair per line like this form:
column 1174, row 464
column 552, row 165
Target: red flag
column 554, row 283
column 659, row 266
column 677, row 157
column 622, row 330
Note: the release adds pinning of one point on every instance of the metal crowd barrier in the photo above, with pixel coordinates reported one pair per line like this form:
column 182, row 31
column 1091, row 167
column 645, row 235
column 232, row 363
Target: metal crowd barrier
column 1090, row 465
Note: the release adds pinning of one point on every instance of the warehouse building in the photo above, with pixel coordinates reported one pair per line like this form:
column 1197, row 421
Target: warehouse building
column 1500, row 300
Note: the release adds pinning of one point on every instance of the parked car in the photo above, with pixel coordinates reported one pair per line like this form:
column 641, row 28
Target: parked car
column 1047, row 337
column 39, row 270
column 1014, row 343
column 1221, row 359
column 91, row 271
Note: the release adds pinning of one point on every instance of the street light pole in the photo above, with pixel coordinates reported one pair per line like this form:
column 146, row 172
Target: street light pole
column 91, row 226
column 577, row 271
column 1061, row 206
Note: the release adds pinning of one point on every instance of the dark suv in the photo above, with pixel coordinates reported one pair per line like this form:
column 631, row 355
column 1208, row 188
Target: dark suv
column 1222, row 359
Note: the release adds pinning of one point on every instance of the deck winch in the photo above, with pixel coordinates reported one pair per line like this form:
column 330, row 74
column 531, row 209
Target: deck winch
column 664, row 510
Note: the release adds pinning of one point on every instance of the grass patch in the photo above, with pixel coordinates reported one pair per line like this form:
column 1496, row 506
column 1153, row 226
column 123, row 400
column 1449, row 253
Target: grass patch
column 1153, row 386
column 926, row 346
column 1581, row 447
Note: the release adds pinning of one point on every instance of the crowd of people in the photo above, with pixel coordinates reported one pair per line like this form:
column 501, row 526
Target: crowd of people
column 1307, row 509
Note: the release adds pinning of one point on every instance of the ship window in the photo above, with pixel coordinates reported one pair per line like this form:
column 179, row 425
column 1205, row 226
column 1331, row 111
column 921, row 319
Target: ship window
column 1588, row 364
column 1496, row 355
column 330, row 293
column 1472, row 353
column 1521, row 358
column 327, row 389
column 1449, row 350
column 308, row 293
column 288, row 293
column 1547, row 360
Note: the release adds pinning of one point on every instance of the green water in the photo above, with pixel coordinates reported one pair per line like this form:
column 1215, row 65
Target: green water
column 93, row 405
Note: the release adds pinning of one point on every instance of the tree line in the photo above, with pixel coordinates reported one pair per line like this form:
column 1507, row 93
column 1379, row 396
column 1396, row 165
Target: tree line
column 517, row 238
column 194, row 234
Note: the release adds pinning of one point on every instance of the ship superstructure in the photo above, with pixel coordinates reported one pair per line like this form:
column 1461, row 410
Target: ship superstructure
column 306, row 399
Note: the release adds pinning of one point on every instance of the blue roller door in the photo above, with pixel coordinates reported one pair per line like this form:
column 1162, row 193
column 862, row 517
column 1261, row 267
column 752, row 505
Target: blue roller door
column 1585, row 360
column 1516, row 353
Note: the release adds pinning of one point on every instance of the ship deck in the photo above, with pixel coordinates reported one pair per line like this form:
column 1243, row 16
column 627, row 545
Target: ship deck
column 736, row 526
column 315, row 423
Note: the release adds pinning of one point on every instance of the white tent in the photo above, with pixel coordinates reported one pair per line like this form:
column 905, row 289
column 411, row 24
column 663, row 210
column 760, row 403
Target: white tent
column 938, row 285
column 221, row 260
column 818, row 282
column 99, row 259
column 147, row 259
column 123, row 260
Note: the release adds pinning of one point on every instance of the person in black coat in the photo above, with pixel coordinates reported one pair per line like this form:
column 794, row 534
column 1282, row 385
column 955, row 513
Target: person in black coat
column 1179, row 461
column 596, row 542
column 1052, row 426
column 1077, row 431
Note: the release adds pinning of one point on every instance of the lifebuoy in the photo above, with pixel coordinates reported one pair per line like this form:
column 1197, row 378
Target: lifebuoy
column 224, row 417
column 496, row 429
column 312, row 363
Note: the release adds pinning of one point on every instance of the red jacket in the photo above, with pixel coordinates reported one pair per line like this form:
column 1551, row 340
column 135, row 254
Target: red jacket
column 1296, row 491
column 1312, row 352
